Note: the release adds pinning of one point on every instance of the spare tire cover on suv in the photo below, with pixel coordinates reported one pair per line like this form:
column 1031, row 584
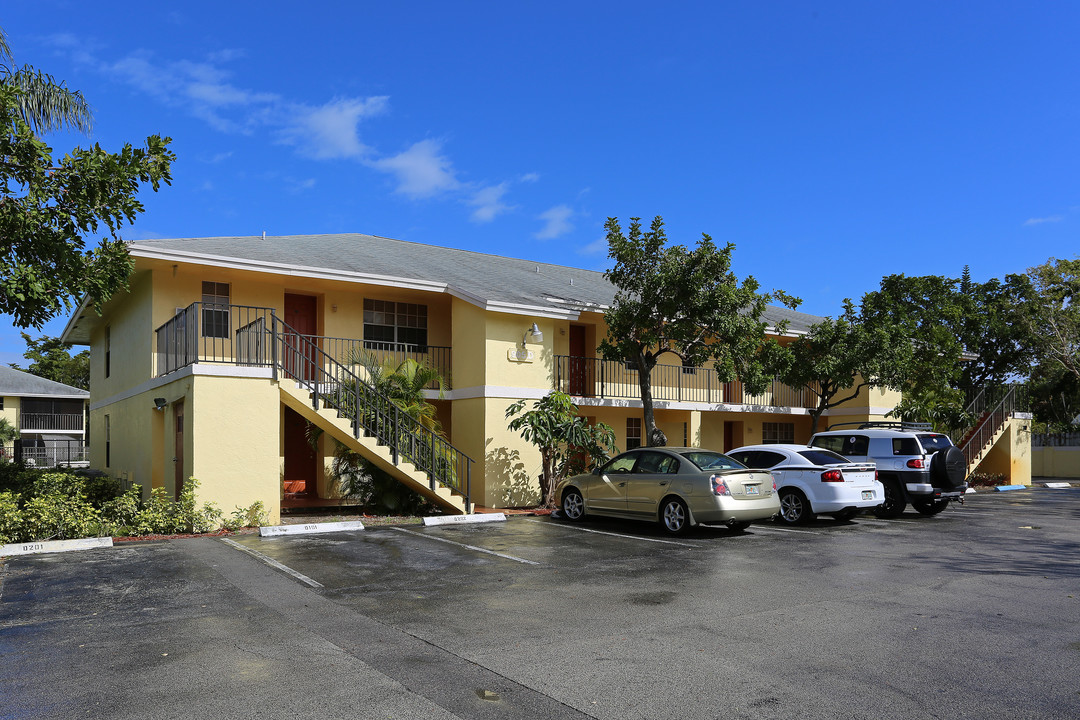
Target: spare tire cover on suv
column 948, row 468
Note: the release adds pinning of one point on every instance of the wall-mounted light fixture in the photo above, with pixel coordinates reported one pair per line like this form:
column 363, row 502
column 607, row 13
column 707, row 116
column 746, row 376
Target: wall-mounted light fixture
column 160, row 403
column 534, row 334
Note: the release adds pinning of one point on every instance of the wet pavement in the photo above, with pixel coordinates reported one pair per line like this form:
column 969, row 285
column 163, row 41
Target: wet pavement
column 974, row 613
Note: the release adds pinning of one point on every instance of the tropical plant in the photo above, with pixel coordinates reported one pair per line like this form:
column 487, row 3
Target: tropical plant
column 687, row 303
column 44, row 104
column 563, row 437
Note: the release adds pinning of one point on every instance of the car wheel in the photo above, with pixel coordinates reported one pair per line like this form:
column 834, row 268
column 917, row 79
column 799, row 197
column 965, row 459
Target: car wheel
column 930, row 507
column 794, row 507
column 573, row 505
column 893, row 505
column 845, row 515
column 674, row 517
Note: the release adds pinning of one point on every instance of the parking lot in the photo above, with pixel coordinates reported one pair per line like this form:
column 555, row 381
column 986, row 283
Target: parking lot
column 972, row 613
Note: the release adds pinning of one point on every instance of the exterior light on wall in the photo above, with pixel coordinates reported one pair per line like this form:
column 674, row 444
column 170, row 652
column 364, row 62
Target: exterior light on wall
column 534, row 333
column 160, row 403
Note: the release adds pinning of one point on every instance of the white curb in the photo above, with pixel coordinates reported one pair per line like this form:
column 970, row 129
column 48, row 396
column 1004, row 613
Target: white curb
column 310, row 529
column 463, row 519
column 1058, row 485
column 52, row 546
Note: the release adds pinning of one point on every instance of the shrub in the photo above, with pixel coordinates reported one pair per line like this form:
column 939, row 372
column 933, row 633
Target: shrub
column 10, row 518
column 982, row 479
column 251, row 516
column 58, row 516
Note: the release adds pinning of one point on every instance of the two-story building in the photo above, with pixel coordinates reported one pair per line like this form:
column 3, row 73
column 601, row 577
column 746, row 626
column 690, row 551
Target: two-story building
column 50, row 419
column 224, row 349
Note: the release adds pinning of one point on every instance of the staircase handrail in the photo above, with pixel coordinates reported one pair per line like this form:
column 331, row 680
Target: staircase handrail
column 369, row 410
column 990, row 425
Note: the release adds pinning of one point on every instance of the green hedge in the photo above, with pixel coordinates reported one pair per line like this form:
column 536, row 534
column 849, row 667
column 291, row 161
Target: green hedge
column 52, row 505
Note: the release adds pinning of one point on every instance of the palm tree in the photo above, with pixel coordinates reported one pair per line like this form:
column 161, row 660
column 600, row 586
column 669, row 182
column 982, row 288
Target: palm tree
column 44, row 104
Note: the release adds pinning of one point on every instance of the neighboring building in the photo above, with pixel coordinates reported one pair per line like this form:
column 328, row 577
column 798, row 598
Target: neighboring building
column 223, row 349
column 49, row 416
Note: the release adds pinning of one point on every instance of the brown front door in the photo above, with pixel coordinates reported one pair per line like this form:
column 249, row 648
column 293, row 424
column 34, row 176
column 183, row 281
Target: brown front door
column 178, row 446
column 578, row 363
column 300, row 315
column 300, row 457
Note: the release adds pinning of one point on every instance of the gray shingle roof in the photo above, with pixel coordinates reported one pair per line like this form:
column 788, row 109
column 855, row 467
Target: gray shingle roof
column 18, row 383
column 489, row 278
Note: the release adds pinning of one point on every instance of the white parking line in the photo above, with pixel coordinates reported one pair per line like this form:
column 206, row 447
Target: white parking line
column 602, row 532
column 470, row 547
column 780, row 529
column 273, row 563
column 885, row 522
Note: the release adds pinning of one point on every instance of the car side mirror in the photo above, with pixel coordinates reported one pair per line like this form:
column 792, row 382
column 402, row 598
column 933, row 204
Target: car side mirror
column 596, row 471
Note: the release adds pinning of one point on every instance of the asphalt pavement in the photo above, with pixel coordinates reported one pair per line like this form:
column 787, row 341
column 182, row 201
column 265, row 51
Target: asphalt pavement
column 974, row 613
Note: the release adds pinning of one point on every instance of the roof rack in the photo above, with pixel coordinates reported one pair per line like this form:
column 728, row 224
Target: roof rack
column 891, row 425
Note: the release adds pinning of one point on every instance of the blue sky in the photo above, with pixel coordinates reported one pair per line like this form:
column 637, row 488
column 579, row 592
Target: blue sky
column 832, row 143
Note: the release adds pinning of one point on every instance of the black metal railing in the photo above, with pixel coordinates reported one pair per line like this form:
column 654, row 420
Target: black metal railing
column 50, row 453
column 372, row 414
column 596, row 377
column 204, row 332
column 237, row 334
column 51, row 421
column 991, row 407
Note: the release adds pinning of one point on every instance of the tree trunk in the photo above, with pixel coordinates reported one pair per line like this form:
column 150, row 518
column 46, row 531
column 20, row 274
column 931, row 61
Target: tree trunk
column 654, row 437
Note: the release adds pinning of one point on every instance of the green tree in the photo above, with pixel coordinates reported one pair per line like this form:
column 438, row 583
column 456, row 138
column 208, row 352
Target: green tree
column 1054, row 314
column 51, row 360
column 562, row 436
column 404, row 383
column 686, row 303
column 43, row 104
column 47, row 208
column 837, row 359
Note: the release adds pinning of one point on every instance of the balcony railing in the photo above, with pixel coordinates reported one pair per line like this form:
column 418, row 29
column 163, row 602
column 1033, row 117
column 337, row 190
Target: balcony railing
column 67, row 453
column 595, row 377
column 72, row 422
column 239, row 335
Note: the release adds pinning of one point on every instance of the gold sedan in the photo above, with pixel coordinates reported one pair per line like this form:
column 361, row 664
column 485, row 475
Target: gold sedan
column 677, row 487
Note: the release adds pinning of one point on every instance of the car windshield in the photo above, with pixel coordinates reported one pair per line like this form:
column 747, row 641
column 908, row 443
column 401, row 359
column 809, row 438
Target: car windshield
column 933, row 442
column 822, row 457
column 708, row 460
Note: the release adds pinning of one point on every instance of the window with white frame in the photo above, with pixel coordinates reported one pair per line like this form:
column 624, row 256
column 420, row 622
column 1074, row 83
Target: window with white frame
column 387, row 323
column 777, row 432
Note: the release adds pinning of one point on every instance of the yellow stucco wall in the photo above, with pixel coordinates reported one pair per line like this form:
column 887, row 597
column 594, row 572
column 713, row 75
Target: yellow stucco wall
column 1056, row 462
column 11, row 410
column 235, row 445
column 1011, row 454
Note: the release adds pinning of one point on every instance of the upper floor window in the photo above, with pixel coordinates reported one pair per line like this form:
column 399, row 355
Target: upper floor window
column 215, row 310
column 390, row 323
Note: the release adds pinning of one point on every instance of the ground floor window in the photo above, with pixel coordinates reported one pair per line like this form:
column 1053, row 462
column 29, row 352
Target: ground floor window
column 633, row 433
column 777, row 432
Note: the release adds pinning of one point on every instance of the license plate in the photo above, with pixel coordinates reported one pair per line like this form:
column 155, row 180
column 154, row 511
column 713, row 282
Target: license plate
column 752, row 489
column 867, row 494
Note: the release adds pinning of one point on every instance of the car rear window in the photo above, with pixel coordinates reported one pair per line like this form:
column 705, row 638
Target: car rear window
column 847, row 445
column 932, row 442
column 906, row 446
column 708, row 460
column 823, row 457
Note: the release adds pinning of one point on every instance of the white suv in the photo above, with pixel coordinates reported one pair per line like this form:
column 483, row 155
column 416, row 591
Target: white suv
column 915, row 464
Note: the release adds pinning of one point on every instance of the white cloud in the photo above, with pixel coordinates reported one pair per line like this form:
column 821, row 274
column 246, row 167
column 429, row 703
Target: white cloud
column 529, row 177
column 556, row 222
column 1050, row 219
column 488, row 203
column 421, row 171
column 596, row 247
column 330, row 131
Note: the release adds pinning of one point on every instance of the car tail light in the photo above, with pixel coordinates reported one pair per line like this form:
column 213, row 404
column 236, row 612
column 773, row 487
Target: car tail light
column 916, row 463
column 719, row 487
column 832, row 476
column 774, row 486
column 875, row 474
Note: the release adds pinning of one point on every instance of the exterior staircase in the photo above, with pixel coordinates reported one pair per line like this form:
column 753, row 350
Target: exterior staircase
column 336, row 399
column 992, row 409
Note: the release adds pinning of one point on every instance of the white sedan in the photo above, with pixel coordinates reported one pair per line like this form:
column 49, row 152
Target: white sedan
column 812, row 481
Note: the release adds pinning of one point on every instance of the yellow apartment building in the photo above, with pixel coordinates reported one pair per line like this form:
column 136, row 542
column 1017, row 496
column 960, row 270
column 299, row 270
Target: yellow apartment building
column 50, row 418
column 224, row 349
